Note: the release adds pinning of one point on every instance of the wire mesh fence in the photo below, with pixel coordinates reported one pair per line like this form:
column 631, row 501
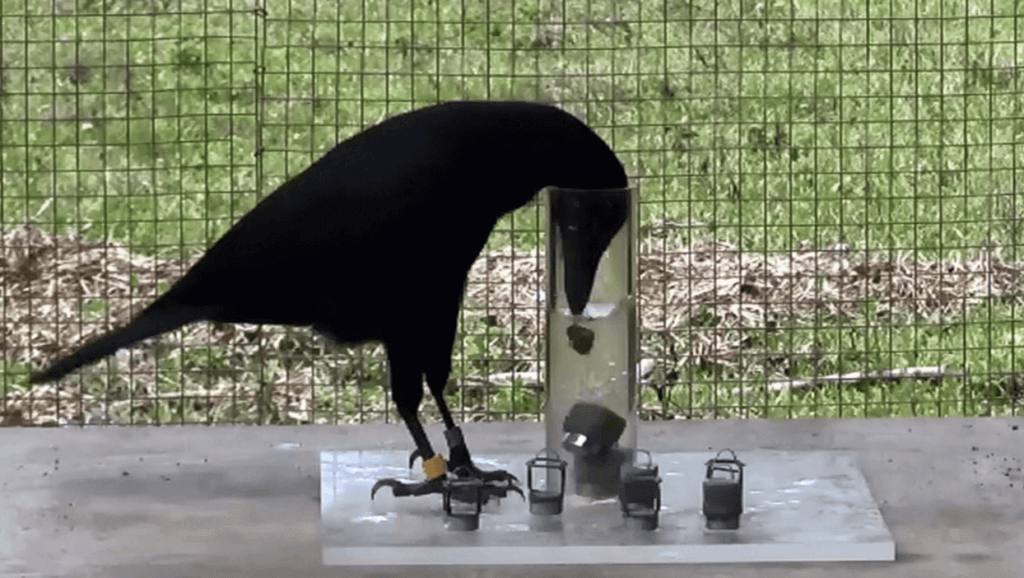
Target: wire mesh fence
column 830, row 206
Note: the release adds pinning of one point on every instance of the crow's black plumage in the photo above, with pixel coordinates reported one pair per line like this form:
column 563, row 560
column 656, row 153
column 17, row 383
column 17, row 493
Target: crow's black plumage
column 373, row 241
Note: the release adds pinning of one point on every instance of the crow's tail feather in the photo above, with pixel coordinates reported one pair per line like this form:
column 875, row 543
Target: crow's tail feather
column 158, row 318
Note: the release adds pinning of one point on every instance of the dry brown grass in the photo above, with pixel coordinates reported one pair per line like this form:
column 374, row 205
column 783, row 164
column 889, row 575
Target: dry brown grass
column 711, row 289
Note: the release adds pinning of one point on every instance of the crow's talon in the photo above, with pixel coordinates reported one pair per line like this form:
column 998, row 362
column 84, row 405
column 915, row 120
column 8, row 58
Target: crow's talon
column 401, row 489
column 497, row 483
column 416, row 453
column 502, row 491
column 471, row 471
column 499, row 476
column 488, row 490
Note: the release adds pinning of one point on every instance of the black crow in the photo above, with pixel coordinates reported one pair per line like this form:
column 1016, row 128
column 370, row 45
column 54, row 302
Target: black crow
column 373, row 242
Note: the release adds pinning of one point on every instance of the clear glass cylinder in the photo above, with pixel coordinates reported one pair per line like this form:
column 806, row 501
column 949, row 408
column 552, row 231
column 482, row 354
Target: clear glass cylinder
column 591, row 357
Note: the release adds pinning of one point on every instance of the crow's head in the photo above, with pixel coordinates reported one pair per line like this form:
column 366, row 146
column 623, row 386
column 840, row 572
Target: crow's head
column 587, row 221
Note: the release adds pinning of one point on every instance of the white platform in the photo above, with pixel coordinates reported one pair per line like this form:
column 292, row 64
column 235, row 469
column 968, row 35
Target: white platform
column 798, row 507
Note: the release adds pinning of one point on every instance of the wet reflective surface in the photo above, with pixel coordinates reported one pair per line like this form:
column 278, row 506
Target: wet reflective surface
column 811, row 505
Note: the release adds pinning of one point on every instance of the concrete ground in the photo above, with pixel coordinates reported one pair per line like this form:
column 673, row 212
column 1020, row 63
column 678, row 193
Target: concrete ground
column 233, row 501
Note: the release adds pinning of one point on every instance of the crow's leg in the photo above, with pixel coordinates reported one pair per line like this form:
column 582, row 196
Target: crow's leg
column 460, row 463
column 407, row 393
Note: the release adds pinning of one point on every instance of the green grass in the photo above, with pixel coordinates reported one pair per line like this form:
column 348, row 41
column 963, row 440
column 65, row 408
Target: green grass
column 887, row 126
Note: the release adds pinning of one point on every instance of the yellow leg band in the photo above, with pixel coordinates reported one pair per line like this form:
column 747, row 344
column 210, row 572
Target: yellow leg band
column 433, row 467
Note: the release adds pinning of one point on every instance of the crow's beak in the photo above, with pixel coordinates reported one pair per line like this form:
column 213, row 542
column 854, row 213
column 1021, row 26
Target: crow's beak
column 587, row 221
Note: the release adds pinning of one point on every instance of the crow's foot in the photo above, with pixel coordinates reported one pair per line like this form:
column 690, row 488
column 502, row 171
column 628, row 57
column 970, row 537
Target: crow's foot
column 401, row 489
column 433, row 469
column 497, row 483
